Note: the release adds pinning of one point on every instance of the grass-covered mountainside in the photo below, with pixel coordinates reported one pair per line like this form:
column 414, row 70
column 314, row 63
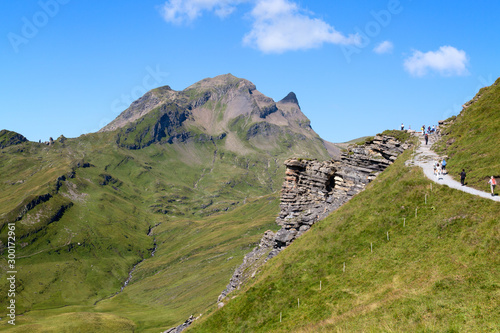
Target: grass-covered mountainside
column 169, row 197
column 405, row 255
column 172, row 201
column 412, row 264
column 472, row 139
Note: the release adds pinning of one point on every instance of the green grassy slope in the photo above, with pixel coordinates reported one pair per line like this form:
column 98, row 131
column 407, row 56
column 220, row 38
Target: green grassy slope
column 87, row 211
column 472, row 140
column 438, row 271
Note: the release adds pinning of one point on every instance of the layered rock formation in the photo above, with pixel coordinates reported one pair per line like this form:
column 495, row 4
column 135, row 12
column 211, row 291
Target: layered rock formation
column 311, row 191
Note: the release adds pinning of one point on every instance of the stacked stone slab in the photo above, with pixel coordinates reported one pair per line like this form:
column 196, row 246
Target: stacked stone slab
column 311, row 191
column 306, row 196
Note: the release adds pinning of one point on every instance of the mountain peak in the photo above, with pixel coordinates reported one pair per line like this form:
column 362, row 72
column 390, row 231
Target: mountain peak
column 290, row 98
column 221, row 106
column 221, row 80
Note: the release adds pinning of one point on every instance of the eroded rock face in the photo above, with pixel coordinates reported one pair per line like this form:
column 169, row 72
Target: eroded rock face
column 305, row 196
column 311, row 191
column 251, row 263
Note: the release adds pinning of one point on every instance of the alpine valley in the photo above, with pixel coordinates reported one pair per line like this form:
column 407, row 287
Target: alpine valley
column 145, row 223
column 140, row 225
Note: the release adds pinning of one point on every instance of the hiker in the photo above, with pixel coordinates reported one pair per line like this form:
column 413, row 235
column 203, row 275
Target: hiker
column 443, row 165
column 492, row 183
column 440, row 171
column 462, row 177
column 402, row 127
column 426, row 138
column 435, row 170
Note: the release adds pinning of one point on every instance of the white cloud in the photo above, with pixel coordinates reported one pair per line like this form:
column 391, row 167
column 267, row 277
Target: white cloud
column 280, row 26
column 186, row 11
column 447, row 61
column 384, row 47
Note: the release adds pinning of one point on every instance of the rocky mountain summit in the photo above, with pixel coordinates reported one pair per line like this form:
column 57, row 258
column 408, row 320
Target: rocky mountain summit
column 311, row 191
column 223, row 107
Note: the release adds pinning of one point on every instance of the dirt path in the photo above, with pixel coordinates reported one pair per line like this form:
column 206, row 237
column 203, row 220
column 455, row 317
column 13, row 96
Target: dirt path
column 424, row 157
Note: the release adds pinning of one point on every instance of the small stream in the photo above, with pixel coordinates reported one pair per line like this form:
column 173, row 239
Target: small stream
column 135, row 266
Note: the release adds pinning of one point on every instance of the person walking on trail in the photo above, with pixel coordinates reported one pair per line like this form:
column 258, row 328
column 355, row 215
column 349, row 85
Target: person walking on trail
column 402, row 127
column 426, row 138
column 462, row 177
column 444, row 166
column 492, row 183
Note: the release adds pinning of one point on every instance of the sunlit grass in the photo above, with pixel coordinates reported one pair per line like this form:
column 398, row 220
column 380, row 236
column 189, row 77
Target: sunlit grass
column 438, row 271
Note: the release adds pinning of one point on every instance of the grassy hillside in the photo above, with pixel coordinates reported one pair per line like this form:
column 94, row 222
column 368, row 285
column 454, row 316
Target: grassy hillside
column 472, row 139
column 434, row 267
column 87, row 211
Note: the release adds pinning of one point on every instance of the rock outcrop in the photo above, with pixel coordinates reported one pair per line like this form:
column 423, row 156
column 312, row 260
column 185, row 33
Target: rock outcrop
column 182, row 326
column 9, row 138
column 251, row 263
column 311, row 191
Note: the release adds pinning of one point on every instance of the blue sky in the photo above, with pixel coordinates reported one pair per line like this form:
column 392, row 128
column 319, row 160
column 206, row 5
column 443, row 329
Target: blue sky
column 357, row 67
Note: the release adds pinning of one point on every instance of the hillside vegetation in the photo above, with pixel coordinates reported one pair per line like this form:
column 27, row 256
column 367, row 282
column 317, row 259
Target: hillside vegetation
column 139, row 226
column 165, row 204
column 472, row 139
column 434, row 267
column 87, row 211
column 405, row 255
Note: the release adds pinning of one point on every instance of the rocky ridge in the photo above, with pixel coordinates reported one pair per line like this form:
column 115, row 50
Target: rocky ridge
column 311, row 191
column 226, row 111
column 10, row 138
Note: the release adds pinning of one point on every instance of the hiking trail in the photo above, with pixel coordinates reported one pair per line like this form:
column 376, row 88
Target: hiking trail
column 424, row 157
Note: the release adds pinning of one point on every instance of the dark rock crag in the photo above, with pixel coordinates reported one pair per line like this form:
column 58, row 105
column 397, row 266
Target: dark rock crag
column 10, row 138
column 311, row 191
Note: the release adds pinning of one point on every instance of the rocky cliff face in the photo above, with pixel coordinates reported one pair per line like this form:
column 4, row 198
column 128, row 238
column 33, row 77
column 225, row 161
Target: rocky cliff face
column 311, row 191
